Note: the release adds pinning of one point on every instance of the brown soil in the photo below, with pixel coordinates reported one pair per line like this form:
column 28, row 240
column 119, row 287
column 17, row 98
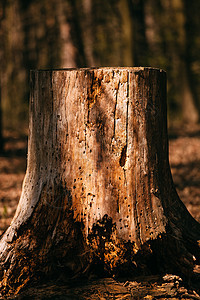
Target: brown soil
column 12, row 170
column 184, row 154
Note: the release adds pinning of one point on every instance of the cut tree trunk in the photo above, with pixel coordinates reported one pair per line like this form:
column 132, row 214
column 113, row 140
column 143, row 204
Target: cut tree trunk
column 98, row 195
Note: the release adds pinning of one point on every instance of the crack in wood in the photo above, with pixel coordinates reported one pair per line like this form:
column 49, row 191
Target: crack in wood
column 125, row 180
column 93, row 92
column 122, row 160
column 127, row 108
column 115, row 108
column 127, row 112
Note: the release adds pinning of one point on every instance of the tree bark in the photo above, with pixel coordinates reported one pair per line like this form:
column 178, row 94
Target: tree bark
column 98, row 194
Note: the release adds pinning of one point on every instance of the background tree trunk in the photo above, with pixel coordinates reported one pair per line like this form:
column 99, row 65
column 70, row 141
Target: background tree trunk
column 98, row 194
column 1, row 135
column 2, row 5
column 139, row 39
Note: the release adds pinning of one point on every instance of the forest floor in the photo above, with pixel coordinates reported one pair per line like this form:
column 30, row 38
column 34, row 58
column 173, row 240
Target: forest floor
column 184, row 155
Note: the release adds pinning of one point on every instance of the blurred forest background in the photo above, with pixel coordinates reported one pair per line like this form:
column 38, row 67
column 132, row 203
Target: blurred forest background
column 84, row 33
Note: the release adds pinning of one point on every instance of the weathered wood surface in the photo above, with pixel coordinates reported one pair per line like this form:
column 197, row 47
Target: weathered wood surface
column 146, row 287
column 98, row 135
column 98, row 194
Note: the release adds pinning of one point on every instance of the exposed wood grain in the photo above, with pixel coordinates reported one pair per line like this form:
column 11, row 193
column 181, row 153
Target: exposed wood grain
column 98, row 194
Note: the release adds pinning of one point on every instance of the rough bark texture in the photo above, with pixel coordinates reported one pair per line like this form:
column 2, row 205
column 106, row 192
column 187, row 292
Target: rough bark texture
column 98, row 195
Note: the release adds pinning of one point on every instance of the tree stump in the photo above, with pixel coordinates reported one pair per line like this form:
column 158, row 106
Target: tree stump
column 98, row 195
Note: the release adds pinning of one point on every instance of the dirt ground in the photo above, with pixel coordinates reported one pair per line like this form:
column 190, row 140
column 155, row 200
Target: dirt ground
column 12, row 171
column 184, row 155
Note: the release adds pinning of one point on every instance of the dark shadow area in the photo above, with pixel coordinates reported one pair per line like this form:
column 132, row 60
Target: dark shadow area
column 15, row 146
column 188, row 131
column 143, row 287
